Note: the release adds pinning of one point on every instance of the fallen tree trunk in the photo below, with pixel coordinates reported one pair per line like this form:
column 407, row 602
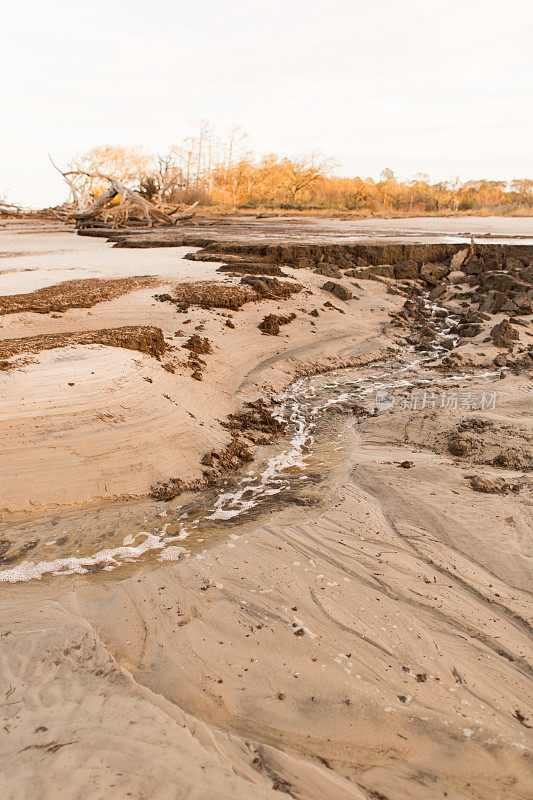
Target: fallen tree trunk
column 188, row 213
column 129, row 200
column 96, row 207
column 9, row 209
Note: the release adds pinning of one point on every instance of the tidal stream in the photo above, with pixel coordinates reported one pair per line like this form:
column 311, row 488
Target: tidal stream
column 319, row 412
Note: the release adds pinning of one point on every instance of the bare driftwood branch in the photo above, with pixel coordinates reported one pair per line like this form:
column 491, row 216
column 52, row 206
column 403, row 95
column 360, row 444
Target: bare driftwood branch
column 116, row 188
column 187, row 213
column 72, row 185
column 129, row 200
column 10, row 209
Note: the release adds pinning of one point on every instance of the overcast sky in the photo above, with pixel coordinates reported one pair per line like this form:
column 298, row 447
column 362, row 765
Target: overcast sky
column 435, row 86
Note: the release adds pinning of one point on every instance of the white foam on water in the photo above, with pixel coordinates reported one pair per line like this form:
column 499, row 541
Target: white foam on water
column 72, row 565
column 172, row 553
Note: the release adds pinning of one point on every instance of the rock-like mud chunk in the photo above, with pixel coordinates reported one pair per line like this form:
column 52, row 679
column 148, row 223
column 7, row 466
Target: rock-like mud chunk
column 337, row 290
column 198, row 344
column 460, row 445
column 407, row 270
column 504, row 335
column 488, row 486
column 272, row 322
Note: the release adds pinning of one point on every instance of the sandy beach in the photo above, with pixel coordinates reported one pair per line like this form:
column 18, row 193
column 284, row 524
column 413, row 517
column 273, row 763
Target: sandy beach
column 245, row 562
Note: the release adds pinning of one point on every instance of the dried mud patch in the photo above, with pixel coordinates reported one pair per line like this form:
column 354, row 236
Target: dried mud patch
column 482, row 441
column 198, row 344
column 271, row 288
column 254, row 269
column 272, row 322
column 484, row 485
column 255, row 417
column 144, row 339
column 83, row 293
column 210, row 294
column 218, row 464
column 254, row 425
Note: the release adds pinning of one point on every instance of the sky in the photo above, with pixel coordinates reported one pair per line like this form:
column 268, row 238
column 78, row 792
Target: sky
column 442, row 87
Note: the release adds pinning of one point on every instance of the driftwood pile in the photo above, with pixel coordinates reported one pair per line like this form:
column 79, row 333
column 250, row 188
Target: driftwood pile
column 131, row 207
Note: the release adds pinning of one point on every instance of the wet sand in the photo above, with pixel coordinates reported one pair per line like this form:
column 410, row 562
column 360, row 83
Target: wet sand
column 344, row 628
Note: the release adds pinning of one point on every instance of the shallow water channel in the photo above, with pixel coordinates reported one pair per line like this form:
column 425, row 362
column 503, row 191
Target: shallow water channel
column 322, row 413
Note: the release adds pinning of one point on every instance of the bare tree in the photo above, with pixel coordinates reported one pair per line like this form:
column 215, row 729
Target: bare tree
column 236, row 137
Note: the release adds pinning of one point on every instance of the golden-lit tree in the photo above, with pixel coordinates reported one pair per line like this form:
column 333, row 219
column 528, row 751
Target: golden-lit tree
column 299, row 173
column 218, row 170
column 523, row 189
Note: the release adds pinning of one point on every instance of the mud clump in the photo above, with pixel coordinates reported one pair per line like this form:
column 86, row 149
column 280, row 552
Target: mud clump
column 347, row 407
column 328, row 270
column 480, row 441
column 513, row 458
column 272, row 322
column 504, row 335
column 231, row 458
column 267, row 288
column 381, row 271
column 468, row 330
column 144, row 339
column 73, row 294
column 167, row 490
column 249, row 268
column 497, row 486
column 427, row 334
column 494, row 302
column 209, row 294
column 407, row 270
column 433, row 273
column 460, row 445
column 337, row 290
column 198, row 344
column 256, row 417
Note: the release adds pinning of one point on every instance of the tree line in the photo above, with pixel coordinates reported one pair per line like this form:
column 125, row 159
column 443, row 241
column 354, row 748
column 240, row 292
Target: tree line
column 221, row 171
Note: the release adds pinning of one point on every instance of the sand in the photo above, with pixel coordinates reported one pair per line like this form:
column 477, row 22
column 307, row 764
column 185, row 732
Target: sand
column 121, row 433
column 365, row 637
